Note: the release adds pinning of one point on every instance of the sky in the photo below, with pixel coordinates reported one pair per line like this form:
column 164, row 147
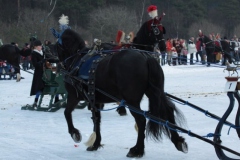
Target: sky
column 26, row 135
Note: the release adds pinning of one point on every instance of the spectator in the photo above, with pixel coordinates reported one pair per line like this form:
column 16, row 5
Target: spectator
column 174, row 56
column 199, row 49
column 204, row 57
column 236, row 55
column 46, row 48
column 169, row 47
column 163, row 57
column 179, row 47
column 38, row 63
column 191, row 49
column 232, row 47
column 184, row 52
column 25, row 60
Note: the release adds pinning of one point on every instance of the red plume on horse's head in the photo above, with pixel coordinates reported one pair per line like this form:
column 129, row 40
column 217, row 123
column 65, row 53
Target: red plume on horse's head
column 120, row 37
column 152, row 11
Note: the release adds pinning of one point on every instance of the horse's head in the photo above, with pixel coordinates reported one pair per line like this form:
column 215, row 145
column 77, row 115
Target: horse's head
column 151, row 33
column 71, row 44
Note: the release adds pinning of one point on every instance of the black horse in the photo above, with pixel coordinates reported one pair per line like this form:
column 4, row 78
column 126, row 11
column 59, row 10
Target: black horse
column 11, row 54
column 127, row 75
column 216, row 46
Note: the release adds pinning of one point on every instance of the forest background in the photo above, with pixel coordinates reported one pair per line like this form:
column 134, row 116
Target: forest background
column 20, row 19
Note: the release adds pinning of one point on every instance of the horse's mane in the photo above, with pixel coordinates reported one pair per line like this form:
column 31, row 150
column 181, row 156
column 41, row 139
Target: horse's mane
column 72, row 41
column 141, row 34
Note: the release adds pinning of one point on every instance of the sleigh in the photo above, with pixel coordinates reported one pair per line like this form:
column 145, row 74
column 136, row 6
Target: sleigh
column 53, row 85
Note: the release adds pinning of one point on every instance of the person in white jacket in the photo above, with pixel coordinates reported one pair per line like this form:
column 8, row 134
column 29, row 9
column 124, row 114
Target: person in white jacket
column 191, row 49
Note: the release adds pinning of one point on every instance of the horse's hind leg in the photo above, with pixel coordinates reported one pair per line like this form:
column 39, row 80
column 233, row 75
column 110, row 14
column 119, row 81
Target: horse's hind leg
column 72, row 101
column 95, row 140
column 177, row 140
column 138, row 149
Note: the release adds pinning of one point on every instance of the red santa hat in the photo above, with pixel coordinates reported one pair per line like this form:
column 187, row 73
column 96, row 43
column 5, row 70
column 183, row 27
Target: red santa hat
column 152, row 11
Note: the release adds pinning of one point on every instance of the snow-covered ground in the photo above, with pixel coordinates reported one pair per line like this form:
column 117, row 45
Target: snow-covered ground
column 26, row 135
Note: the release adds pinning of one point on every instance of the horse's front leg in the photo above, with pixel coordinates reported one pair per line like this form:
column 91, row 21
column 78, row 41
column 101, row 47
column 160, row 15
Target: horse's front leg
column 94, row 141
column 72, row 102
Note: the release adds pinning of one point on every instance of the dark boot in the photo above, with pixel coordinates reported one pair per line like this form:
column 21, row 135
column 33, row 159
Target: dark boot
column 56, row 99
column 34, row 105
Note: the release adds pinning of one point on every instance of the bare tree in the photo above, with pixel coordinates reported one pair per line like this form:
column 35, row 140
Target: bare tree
column 35, row 22
column 141, row 12
column 177, row 18
column 206, row 27
column 107, row 21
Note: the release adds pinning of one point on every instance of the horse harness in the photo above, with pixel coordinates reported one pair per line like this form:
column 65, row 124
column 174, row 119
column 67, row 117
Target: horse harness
column 77, row 82
column 73, row 69
column 156, row 28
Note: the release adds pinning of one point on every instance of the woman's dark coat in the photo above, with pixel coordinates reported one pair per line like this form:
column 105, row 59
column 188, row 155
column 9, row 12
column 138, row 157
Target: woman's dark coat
column 37, row 82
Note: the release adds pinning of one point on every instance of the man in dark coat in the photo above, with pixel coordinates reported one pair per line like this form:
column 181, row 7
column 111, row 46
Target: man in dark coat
column 38, row 63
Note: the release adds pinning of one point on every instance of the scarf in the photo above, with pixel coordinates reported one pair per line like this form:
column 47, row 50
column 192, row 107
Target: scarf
column 40, row 52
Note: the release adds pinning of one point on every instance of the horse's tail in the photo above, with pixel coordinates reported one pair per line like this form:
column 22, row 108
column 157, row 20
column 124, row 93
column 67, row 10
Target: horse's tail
column 160, row 105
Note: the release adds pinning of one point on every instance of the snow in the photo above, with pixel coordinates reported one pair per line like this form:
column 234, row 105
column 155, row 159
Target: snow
column 36, row 135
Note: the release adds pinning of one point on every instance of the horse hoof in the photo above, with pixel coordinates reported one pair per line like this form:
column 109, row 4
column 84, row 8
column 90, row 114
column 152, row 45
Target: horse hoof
column 134, row 153
column 122, row 111
column 92, row 148
column 182, row 146
column 77, row 137
column 122, row 114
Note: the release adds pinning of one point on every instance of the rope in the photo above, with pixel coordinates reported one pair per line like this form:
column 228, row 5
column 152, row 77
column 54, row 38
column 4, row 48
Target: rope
column 209, row 135
column 206, row 113
column 144, row 113
column 232, row 126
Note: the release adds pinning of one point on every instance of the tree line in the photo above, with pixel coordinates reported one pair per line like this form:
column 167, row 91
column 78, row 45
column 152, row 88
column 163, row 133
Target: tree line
column 19, row 19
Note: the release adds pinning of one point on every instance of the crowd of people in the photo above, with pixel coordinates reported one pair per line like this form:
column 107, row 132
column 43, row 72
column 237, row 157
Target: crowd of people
column 182, row 52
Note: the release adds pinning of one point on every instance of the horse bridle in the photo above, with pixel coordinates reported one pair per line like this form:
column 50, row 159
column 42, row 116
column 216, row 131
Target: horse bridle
column 156, row 31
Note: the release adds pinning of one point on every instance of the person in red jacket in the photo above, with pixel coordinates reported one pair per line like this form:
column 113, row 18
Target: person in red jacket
column 199, row 49
column 169, row 47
